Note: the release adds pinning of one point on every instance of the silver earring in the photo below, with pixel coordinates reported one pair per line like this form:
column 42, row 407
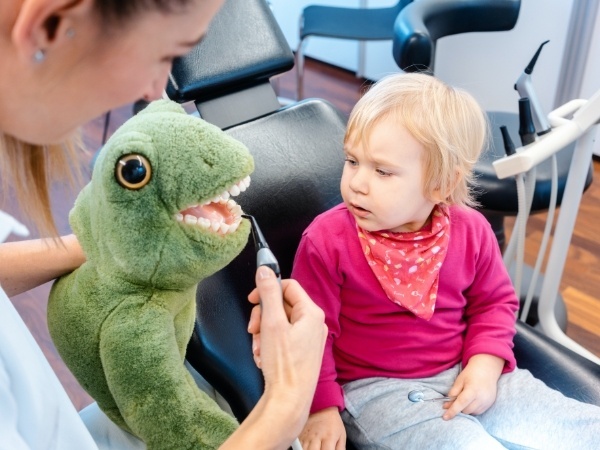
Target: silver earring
column 39, row 55
column 70, row 33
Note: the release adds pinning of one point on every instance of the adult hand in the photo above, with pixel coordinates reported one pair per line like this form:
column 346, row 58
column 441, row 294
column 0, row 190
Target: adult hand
column 291, row 331
column 475, row 387
column 289, row 335
column 324, row 430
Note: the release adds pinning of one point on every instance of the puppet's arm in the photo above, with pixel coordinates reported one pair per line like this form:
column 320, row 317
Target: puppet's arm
column 144, row 371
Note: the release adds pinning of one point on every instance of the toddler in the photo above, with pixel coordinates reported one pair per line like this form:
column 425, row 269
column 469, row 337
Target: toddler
column 416, row 295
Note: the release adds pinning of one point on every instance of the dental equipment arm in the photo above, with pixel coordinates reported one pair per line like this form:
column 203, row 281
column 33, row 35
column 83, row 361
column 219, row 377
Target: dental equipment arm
column 525, row 89
column 579, row 128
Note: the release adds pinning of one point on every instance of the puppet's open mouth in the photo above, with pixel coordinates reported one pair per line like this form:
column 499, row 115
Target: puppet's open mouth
column 220, row 214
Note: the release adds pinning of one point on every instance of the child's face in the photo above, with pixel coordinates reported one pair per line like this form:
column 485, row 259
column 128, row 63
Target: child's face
column 382, row 183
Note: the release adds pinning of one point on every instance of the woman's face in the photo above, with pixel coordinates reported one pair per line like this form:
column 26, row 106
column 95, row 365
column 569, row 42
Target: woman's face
column 95, row 71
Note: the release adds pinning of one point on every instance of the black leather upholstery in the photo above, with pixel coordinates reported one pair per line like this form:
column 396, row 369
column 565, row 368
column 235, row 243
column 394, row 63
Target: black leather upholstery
column 232, row 59
column 298, row 158
column 298, row 155
column 228, row 75
column 557, row 366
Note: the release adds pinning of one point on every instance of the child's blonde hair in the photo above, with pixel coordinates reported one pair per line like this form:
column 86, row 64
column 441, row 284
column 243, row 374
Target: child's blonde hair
column 447, row 121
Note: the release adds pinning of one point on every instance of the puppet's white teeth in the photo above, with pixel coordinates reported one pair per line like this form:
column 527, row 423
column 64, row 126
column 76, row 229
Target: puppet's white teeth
column 242, row 186
column 224, row 199
column 233, row 191
column 204, row 223
column 190, row 220
column 238, row 188
column 224, row 228
column 234, row 208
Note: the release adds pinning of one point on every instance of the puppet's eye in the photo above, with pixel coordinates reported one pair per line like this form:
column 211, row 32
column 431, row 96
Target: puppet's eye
column 133, row 171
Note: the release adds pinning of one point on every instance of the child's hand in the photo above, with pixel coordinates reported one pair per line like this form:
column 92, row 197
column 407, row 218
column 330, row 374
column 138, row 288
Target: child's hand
column 324, row 430
column 475, row 387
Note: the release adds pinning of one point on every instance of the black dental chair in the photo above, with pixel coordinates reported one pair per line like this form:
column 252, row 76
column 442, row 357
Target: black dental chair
column 416, row 31
column 298, row 155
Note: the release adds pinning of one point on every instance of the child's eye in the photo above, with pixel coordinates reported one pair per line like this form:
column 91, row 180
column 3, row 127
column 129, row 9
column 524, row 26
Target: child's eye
column 383, row 173
column 351, row 161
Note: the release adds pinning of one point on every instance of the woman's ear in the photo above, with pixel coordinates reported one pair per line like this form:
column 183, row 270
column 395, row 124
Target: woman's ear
column 41, row 25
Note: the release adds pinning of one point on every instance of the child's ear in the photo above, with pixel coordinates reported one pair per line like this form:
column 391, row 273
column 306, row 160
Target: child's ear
column 43, row 24
column 437, row 196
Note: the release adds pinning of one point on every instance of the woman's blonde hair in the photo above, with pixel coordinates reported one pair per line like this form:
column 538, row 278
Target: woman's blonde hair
column 447, row 121
column 27, row 170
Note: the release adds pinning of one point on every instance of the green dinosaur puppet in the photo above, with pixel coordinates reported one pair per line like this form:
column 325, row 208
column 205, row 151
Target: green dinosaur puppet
column 155, row 219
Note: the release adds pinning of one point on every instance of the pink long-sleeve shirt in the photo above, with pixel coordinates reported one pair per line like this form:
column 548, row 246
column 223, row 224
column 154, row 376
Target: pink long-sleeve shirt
column 370, row 336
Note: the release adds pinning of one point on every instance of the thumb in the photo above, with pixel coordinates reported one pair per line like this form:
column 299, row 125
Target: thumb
column 456, row 388
column 271, row 297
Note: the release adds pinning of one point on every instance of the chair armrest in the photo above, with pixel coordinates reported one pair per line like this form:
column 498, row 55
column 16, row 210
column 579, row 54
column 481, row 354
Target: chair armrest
column 421, row 23
column 560, row 368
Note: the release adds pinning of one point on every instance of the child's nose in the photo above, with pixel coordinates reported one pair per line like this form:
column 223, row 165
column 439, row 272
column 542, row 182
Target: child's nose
column 359, row 182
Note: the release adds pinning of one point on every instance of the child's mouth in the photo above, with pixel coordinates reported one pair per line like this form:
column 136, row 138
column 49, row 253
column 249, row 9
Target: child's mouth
column 360, row 211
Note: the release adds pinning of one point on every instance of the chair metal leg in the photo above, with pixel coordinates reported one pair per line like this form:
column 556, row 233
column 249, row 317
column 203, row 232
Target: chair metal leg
column 300, row 60
column 300, row 71
column 106, row 124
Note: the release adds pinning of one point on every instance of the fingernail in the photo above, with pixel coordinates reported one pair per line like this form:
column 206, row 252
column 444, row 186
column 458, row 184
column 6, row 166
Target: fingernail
column 264, row 272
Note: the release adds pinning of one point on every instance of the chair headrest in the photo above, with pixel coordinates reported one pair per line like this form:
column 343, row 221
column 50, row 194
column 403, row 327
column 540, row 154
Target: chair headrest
column 420, row 24
column 244, row 47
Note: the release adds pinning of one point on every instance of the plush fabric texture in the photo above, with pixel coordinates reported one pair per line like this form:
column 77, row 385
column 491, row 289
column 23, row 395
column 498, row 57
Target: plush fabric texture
column 122, row 321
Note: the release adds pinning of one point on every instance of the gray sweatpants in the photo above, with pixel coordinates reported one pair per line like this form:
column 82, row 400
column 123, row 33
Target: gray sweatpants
column 527, row 414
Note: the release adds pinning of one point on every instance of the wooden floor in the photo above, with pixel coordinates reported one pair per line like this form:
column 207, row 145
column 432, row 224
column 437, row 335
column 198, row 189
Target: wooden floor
column 580, row 284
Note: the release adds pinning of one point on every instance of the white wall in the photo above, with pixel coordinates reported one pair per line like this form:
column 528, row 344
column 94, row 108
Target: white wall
column 488, row 64
column 591, row 78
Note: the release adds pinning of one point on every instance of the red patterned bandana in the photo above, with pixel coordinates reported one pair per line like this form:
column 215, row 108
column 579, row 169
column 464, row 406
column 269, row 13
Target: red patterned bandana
column 407, row 265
